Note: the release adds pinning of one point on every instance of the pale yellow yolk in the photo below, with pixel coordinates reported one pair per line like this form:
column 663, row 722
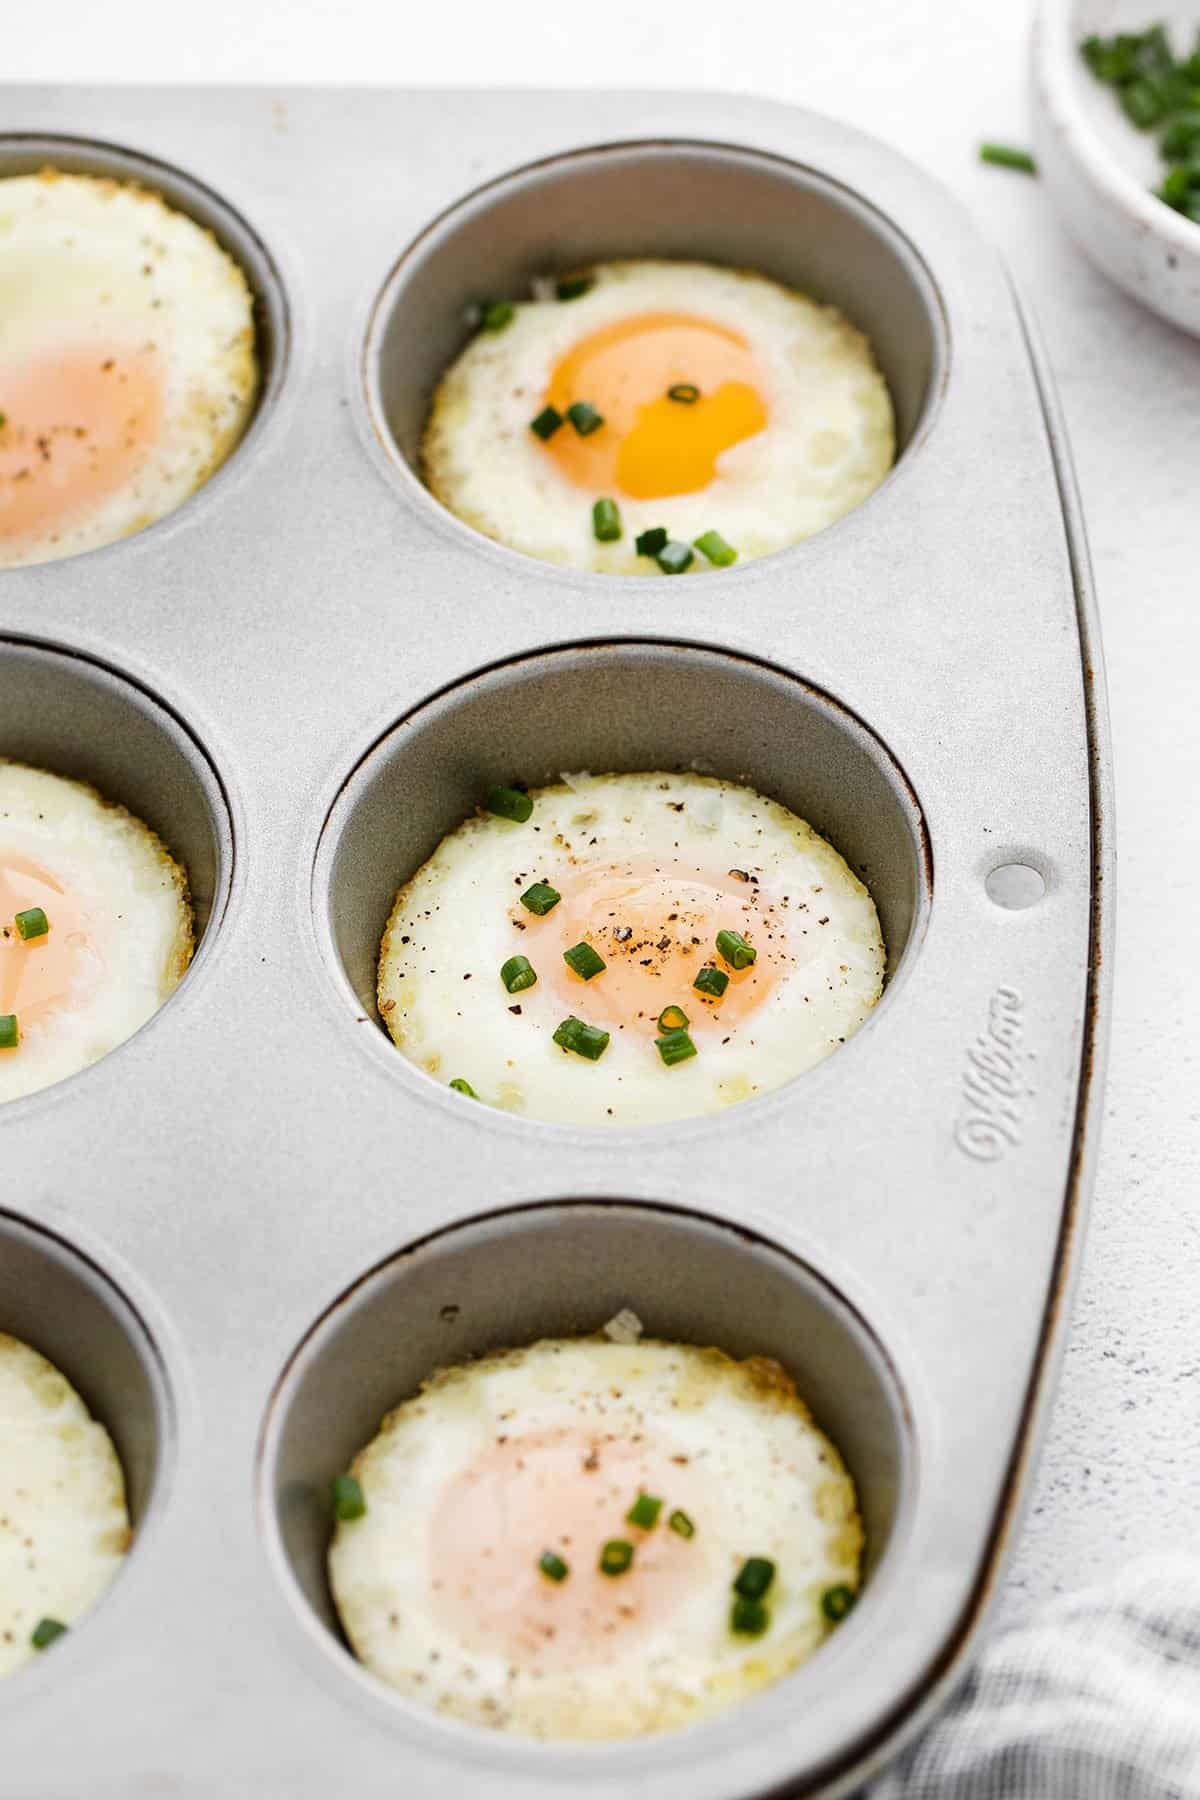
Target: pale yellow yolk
column 649, row 445
column 655, row 924
column 76, row 428
column 58, row 970
column 568, row 1492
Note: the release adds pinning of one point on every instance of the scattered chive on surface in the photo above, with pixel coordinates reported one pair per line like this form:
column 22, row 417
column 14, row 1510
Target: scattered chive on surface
column 1007, row 156
column 45, row 1632
column 541, row 898
column 616, row 1556
column 644, row 1512
column 584, row 1040
column 497, row 314
column 546, row 423
column 606, row 521
column 674, row 558
column 509, row 803
column 10, row 1031
column 585, row 961
column 754, row 1577
column 675, row 1047
column 464, row 1087
column 553, row 1566
column 349, row 1502
column 738, row 953
column 584, row 417
column 749, row 1618
column 649, row 543
column 837, row 1601
column 673, row 1018
column 573, row 287
column 681, row 1525
column 686, row 392
column 712, row 545
column 32, row 923
column 711, row 980
column 517, row 974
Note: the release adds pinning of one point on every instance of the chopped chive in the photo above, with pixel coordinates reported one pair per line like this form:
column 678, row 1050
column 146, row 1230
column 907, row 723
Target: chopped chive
column 711, row 980
column 681, row 1525
column 675, row 1047
column 349, row 1501
column 584, row 417
column 686, row 392
column 553, row 1566
column 837, row 1601
column 754, row 1577
column 1146, row 103
column 749, row 1618
column 1181, row 138
column 584, row 1040
column 517, row 974
column 585, row 961
column 32, row 923
column 606, row 521
column 3, row 420
column 509, row 803
column 734, row 948
column 644, row 1512
column 464, row 1087
column 45, row 1632
column 674, row 558
column 546, row 423
column 673, row 1018
column 10, row 1031
column 573, row 287
column 497, row 314
column 616, row 1556
column 1005, row 156
column 649, row 543
column 718, row 552
column 541, row 898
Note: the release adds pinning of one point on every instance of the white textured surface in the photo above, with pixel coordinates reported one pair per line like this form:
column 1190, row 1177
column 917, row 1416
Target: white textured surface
column 931, row 76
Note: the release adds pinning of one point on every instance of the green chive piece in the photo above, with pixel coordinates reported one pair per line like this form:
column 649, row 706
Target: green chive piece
column 754, row 1577
column 10, row 1031
column 573, row 287
column 686, row 392
column 584, row 1040
column 734, row 948
column 606, row 521
column 32, row 923
column 675, row 1047
column 644, row 1512
column 711, row 980
column 1144, row 102
column 517, row 974
column 616, row 1556
column 681, row 1525
column 349, row 1502
column 837, row 1601
column 497, row 314
column 585, row 961
column 673, row 1018
column 45, row 1632
column 649, row 543
column 553, row 1566
column 1181, row 138
column 546, row 423
column 464, row 1087
column 509, row 803
column 749, row 1618
column 541, row 898
column 584, row 417
column 674, row 558
column 718, row 552
column 3, row 420
column 1005, row 156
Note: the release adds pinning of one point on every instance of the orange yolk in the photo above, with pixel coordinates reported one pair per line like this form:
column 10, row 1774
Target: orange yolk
column 649, row 445
column 567, row 1492
column 656, row 924
column 76, row 428
column 60, row 969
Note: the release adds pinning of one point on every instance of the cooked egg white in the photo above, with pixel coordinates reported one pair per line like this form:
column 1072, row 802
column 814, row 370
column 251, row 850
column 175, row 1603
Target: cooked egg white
column 120, row 926
column 64, row 1527
column 650, row 868
column 785, row 424
column 127, row 361
column 495, row 1463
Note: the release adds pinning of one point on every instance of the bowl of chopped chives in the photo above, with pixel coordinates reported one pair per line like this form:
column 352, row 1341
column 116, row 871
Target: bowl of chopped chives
column 1116, row 110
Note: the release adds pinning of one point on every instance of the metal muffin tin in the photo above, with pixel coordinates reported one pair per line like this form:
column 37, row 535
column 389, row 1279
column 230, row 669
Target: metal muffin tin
column 255, row 1226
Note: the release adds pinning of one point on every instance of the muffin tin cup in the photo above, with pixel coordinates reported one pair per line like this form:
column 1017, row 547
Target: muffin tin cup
column 921, row 681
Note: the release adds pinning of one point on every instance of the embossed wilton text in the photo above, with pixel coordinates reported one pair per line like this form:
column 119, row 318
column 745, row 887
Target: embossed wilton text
column 990, row 1120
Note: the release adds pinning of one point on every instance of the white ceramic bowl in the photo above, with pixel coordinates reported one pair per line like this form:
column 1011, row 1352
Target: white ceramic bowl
column 1099, row 168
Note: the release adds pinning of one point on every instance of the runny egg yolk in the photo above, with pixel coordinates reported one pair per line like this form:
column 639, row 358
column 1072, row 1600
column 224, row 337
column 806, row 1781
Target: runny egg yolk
column 656, row 924
column 651, row 446
column 567, row 1492
column 74, row 429
column 60, row 969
